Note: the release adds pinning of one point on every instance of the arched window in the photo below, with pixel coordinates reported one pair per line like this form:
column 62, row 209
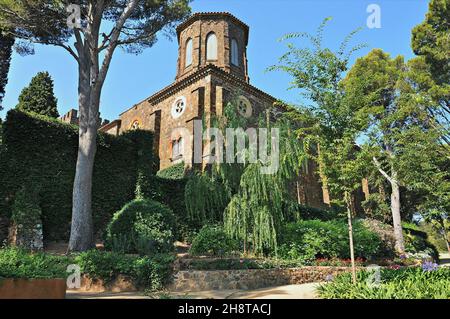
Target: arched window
column 234, row 52
column 177, row 149
column 188, row 61
column 211, row 47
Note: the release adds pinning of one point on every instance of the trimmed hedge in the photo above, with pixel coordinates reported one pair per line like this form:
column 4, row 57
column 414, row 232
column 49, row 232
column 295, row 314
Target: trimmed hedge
column 44, row 151
column 175, row 172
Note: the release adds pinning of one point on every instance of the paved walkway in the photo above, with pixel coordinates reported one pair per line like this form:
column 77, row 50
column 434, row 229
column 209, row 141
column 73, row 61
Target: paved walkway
column 444, row 259
column 304, row 291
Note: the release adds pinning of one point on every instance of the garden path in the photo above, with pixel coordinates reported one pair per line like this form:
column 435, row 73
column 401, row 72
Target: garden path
column 444, row 259
column 304, row 291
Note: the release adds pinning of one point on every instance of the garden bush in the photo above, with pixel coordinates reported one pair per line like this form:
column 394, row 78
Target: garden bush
column 213, row 241
column 175, row 172
column 416, row 242
column 310, row 239
column 406, row 283
column 297, row 211
column 142, row 226
column 147, row 272
column 20, row 263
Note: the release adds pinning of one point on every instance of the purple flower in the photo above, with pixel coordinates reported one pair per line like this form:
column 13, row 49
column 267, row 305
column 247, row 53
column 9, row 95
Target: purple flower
column 329, row 278
column 429, row 266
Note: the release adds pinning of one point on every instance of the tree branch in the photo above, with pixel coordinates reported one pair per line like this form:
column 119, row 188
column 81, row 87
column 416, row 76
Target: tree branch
column 115, row 33
column 380, row 169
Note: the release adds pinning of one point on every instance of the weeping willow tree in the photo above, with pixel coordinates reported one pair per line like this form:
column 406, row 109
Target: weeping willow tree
column 252, row 203
column 256, row 212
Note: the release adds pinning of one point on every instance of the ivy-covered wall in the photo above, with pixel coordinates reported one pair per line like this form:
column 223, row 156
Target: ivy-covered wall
column 42, row 151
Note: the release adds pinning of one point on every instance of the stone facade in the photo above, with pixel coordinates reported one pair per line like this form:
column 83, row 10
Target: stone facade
column 203, row 87
column 197, row 280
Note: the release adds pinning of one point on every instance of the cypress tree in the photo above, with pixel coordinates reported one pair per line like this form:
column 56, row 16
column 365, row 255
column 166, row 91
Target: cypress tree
column 38, row 97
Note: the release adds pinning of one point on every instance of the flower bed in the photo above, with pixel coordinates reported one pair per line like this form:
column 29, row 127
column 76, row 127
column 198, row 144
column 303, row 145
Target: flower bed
column 425, row 282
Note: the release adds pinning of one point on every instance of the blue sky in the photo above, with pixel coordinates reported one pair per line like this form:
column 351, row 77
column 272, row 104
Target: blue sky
column 133, row 78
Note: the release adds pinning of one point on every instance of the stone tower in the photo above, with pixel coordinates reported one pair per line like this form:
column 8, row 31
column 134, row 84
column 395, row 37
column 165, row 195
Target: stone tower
column 211, row 72
column 219, row 39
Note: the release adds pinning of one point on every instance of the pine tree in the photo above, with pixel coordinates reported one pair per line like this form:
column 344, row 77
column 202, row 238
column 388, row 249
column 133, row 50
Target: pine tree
column 6, row 43
column 38, row 97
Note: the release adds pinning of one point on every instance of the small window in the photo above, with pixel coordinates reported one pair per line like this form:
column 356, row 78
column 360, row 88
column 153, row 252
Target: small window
column 234, row 52
column 177, row 149
column 211, row 47
column 188, row 61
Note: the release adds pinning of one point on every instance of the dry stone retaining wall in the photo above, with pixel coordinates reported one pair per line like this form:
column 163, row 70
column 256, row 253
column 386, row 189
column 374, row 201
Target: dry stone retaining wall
column 197, row 280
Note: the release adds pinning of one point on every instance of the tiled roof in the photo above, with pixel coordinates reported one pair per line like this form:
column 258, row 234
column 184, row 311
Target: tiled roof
column 200, row 74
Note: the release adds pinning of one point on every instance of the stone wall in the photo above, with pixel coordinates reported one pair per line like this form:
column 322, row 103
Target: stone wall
column 196, row 280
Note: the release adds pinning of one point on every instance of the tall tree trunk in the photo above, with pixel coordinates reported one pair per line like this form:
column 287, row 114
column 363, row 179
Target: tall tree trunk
column 82, row 230
column 395, row 206
column 350, row 235
column 396, row 218
column 91, row 79
column 444, row 234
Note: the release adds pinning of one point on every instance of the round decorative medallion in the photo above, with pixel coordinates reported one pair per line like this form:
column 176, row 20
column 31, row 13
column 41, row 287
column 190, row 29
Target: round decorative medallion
column 178, row 107
column 244, row 107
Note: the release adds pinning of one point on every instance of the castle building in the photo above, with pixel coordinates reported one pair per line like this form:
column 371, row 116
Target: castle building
column 212, row 70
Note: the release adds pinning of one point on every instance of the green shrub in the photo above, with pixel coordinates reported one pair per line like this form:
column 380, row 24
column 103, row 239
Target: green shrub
column 405, row 283
column 171, row 192
column 148, row 272
column 175, row 172
column 142, row 226
column 212, row 240
column 311, row 239
column 416, row 242
column 19, row 263
column 297, row 211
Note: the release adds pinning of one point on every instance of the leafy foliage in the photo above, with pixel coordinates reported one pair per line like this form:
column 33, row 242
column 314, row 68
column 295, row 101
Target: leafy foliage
column 212, row 240
column 143, row 226
column 308, row 240
column 19, row 263
column 206, row 198
column 148, row 272
column 173, row 172
column 416, row 242
column 30, row 159
column 38, row 97
column 430, row 39
column 407, row 283
column 6, row 44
